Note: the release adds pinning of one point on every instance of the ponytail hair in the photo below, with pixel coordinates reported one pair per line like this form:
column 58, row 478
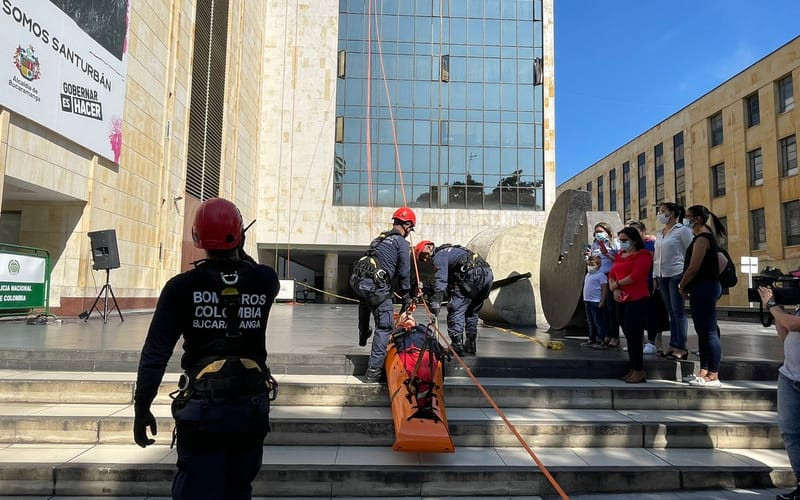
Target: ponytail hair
column 704, row 213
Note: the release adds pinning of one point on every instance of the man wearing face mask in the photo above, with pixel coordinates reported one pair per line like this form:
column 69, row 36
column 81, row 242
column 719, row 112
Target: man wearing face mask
column 607, row 248
column 595, row 290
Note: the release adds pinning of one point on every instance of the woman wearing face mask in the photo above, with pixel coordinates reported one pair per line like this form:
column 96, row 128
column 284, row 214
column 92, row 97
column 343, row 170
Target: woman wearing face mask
column 628, row 281
column 700, row 284
column 606, row 248
column 671, row 244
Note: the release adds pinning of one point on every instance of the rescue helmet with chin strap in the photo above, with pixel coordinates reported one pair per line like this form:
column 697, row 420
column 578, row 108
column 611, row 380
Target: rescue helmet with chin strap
column 421, row 247
column 217, row 225
column 405, row 215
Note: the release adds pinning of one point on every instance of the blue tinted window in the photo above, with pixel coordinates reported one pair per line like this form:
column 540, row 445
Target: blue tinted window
column 508, row 32
column 475, row 8
column 474, row 141
column 458, row 30
column 491, row 32
column 491, row 133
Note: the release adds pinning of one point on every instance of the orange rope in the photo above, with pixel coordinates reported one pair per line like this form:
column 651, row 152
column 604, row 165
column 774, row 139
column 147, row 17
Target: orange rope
column 370, row 16
column 432, row 321
column 391, row 113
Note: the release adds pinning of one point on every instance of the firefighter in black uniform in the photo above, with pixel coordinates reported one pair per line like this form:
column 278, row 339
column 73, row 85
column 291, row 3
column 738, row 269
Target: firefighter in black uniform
column 467, row 279
column 389, row 256
column 221, row 408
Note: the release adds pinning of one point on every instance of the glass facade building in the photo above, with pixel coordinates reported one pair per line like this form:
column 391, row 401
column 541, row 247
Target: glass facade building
column 458, row 80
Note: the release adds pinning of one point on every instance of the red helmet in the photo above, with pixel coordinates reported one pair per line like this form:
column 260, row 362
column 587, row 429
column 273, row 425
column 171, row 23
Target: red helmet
column 421, row 247
column 405, row 214
column 217, row 225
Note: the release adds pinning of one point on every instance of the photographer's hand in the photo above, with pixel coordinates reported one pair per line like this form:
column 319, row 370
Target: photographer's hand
column 766, row 295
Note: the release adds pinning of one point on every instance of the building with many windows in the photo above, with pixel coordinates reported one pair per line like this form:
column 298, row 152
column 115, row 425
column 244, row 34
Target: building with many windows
column 316, row 117
column 733, row 150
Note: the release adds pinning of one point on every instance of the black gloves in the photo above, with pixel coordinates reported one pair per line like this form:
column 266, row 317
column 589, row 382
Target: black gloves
column 407, row 300
column 143, row 418
column 434, row 308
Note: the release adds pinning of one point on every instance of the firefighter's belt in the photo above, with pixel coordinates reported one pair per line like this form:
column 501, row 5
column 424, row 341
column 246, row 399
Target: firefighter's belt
column 217, row 365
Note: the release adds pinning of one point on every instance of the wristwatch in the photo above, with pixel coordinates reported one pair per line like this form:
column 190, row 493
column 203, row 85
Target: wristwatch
column 771, row 303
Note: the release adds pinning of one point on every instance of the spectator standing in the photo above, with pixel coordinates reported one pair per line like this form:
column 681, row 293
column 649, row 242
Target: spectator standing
column 606, row 248
column 595, row 290
column 700, row 284
column 672, row 241
column 627, row 280
column 657, row 321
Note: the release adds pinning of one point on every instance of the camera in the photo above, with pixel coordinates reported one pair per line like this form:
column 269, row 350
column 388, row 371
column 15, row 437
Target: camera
column 785, row 287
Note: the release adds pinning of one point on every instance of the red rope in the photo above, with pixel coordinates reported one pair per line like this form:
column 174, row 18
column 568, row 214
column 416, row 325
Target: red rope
column 368, row 121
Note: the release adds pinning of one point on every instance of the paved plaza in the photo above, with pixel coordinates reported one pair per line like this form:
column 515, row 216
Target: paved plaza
column 331, row 329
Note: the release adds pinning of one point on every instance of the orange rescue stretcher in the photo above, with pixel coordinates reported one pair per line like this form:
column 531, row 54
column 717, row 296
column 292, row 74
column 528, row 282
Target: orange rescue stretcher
column 417, row 427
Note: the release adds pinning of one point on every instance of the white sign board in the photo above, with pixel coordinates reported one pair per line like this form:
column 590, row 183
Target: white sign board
column 56, row 73
column 286, row 292
column 22, row 281
column 749, row 265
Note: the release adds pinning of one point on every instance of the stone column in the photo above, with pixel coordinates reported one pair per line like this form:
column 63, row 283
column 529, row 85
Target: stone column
column 331, row 276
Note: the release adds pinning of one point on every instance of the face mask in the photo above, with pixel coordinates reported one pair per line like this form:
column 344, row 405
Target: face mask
column 662, row 218
column 625, row 245
column 593, row 269
column 601, row 235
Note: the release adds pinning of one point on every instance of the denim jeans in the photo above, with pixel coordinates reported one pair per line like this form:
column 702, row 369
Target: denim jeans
column 703, row 297
column 789, row 419
column 678, row 322
column 596, row 321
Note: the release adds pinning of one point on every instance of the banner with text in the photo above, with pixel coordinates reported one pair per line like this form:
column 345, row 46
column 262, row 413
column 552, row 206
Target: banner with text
column 66, row 69
column 22, row 281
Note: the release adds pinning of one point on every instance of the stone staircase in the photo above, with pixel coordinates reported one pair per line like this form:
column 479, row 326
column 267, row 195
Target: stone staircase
column 68, row 433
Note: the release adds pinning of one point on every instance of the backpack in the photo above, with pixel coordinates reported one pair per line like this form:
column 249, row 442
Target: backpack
column 727, row 277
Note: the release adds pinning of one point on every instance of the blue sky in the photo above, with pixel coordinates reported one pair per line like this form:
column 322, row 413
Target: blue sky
column 625, row 65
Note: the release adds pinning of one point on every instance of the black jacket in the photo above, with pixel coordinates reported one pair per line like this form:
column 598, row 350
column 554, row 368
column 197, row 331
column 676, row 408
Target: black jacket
column 190, row 306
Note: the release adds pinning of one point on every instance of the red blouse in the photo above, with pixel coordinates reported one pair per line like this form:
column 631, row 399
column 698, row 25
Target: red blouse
column 637, row 266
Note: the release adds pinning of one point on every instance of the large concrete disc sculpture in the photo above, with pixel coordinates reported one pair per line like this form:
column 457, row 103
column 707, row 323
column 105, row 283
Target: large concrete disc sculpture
column 512, row 251
column 562, row 266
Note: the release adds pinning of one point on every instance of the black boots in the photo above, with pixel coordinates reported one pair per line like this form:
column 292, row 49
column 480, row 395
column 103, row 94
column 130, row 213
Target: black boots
column 458, row 345
column 471, row 345
column 792, row 495
column 373, row 374
column 363, row 335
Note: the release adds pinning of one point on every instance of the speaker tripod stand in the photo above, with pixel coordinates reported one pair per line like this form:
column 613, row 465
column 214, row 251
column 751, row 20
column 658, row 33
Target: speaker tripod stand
column 106, row 311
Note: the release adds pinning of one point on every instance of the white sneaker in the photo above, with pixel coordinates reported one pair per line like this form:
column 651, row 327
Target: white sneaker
column 701, row 382
column 689, row 378
column 649, row 348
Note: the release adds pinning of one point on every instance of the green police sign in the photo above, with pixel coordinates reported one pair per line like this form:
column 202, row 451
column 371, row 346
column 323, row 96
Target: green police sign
column 22, row 281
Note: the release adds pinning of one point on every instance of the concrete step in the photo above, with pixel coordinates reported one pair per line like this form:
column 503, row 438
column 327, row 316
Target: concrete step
column 342, row 390
column 328, row 471
column 570, row 363
column 373, row 426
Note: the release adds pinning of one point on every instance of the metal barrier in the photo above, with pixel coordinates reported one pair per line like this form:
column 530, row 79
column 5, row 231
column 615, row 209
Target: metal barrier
column 24, row 279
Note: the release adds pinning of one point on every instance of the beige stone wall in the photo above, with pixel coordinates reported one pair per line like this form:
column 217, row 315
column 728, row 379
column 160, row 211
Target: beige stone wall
column 297, row 147
column 740, row 198
column 142, row 197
